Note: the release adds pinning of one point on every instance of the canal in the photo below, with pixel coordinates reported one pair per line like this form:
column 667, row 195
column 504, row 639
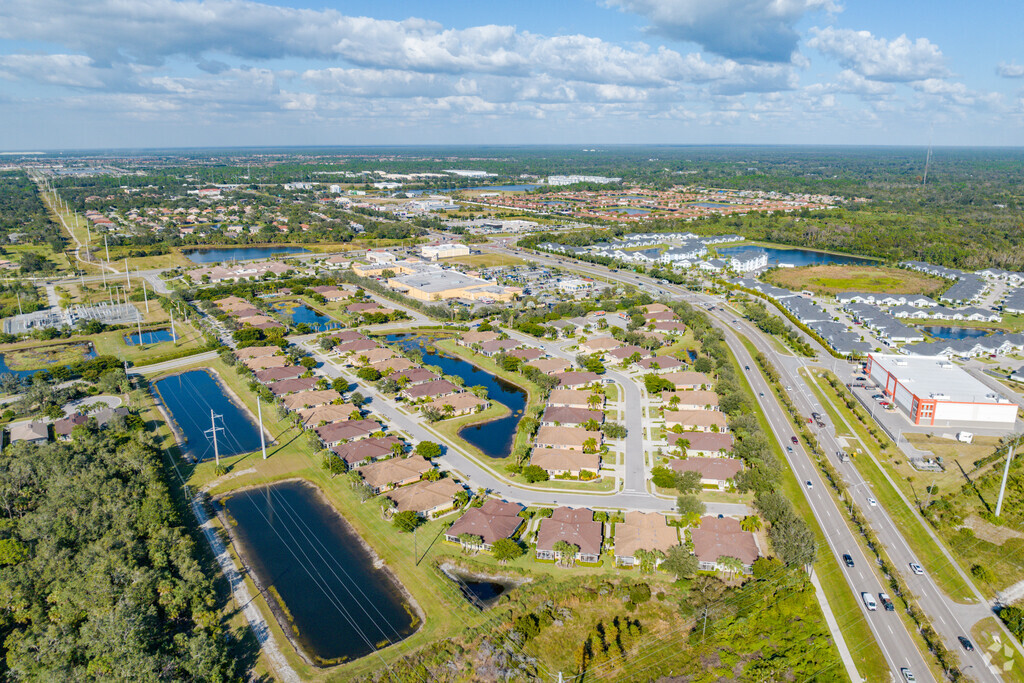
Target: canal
column 190, row 397
column 238, row 253
column 493, row 438
column 341, row 607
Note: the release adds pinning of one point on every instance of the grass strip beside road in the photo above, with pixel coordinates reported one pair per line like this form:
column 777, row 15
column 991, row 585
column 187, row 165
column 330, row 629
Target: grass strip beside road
column 860, row 640
column 988, row 636
column 910, row 525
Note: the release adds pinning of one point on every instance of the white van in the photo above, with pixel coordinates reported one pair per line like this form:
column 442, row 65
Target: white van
column 869, row 601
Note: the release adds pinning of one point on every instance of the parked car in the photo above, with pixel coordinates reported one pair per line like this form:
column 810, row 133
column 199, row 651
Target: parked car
column 908, row 675
column 916, row 568
column 869, row 601
column 886, row 602
column 847, row 559
column 965, row 643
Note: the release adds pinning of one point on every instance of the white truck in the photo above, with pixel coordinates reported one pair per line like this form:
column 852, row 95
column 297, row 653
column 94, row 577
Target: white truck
column 869, row 601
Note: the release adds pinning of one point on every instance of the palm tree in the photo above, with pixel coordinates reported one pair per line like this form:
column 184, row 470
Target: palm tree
column 591, row 425
column 363, row 360
column 397, row 449
column 590, row 445
column 751, row 523
column 566, row 552
column 594, row 400
column 673, row 402
column 730, row 565
column 448, row 409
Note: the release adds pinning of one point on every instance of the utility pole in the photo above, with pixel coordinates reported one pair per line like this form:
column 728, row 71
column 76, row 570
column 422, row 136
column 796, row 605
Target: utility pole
column 213, row 430
column 127, row 274
column 174, row 337
column 19, row 304
column 704, row 628
column 140, row 330
column 1006, row 474
column 145, row 295
column 259, row 418
column 107, row 248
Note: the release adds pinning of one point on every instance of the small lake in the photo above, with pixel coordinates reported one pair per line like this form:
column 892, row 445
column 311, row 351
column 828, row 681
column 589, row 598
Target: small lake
column 88, row 354
column 149, row 337
column 494, row 438
column 799, row 257
column 301, row 313
column 951, row 332
column 341, row 605
column 190, row 397
column 238, row 253
column 629, row 211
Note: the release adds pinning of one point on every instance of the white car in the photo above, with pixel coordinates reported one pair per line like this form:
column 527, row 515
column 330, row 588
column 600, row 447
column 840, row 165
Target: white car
column 916, row 568
column 908, row 675
column 872, row 502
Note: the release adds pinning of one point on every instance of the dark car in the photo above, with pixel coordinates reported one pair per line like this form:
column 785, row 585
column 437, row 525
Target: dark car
column 848, row 560
column 794, row 439
column 966, row 643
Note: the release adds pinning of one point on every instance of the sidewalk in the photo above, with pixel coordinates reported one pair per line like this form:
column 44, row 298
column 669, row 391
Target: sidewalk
column 833, row 627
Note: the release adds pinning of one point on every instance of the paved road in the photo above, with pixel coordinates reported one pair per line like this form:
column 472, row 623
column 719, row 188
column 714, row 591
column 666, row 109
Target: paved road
column 172, row 364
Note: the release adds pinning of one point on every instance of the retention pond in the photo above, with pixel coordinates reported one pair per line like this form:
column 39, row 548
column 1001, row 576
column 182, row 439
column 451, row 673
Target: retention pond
column 239, row 253
column 493, row 438
column 191, row 397
column 331, row 595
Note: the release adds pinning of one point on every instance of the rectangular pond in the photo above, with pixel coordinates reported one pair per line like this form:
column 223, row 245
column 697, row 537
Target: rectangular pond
column 799, row 257
column 496, row 437
column 189, row 398
column 301, row 313
column 341, row 605
column 149, row 337
column 239, row 253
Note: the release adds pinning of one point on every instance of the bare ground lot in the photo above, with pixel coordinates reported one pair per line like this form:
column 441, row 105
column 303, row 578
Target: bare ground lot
column 832, row 279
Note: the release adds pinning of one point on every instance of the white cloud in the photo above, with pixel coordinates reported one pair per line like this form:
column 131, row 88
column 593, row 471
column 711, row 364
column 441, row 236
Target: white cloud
column 761, row 30
column 76, row 71
column 1010, row 70
column 879, row 59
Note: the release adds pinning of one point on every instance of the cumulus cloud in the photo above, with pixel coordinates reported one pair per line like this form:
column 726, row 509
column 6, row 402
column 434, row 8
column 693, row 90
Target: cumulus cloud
column 1010, row 70
column 879, row 59
column 77, row 71
column 737, row 29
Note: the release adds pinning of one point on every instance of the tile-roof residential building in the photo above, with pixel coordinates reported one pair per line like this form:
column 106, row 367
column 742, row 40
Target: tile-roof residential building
column 673, row 327
column 367, row 307
column 292, row 386
column 713, row 471
column 342, row 336
column 702, row 443
column 576, row 527
column 719, row 537
column 688, row 380
column 492, row 521
column 62, row 427
column 105, row 415
column 574, row 398
column 365, row 450
column 571, row 438
column 599, row 345
column 561, row 415
column 643, row 531
column 470, row 338
column 660, row 364
column 256, row 351
column 355, row 347
column 326, row 414
column 497, row 346
column 661, row 315
column 387, row 474
column 691, row 400
column 350, row 430
column 310, row 399
column 376, row 356
column 413, row 376
column 261, row 322
column 432, row 389
column 574, row 380
column 656, row 308
column 550, row 366
column 526, row 355
column 229, row 304
column 620, row 354
column 263, row 362
column 461, row 404
column 561, row 461
column 697, row 420
column 386, row 367
column 426, row 498
column 278, row 374
column 32, row 432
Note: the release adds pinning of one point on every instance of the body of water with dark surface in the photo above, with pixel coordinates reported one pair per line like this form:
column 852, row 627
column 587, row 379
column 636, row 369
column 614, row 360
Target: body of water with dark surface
column 506, row 188
column 238, row 253
column 87, row 355
column 799, row 257
column 149, row 337
column 342, row 606
column 301, row 313
column 494, row 438
column 189, row 397
column 952, row 332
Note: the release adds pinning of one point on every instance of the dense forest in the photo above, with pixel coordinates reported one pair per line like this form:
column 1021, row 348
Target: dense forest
column 99, row 578
column 24, row 220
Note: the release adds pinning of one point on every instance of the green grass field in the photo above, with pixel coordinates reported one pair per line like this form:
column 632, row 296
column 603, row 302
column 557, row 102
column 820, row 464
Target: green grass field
column 832, row 279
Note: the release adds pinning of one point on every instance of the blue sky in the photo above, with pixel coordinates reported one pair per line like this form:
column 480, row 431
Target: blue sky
column 173, row 73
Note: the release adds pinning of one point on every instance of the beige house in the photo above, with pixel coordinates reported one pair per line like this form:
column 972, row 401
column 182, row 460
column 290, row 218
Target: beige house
column 691, row 400
column 426, row 498
column 310, row 399
column 643, row 531
column 562, row 461
column 574, row 398
column 461, row 404
column 570, row 438
column 697, row 420
column 384, row 475
column 688, row 380
column 713, row 471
